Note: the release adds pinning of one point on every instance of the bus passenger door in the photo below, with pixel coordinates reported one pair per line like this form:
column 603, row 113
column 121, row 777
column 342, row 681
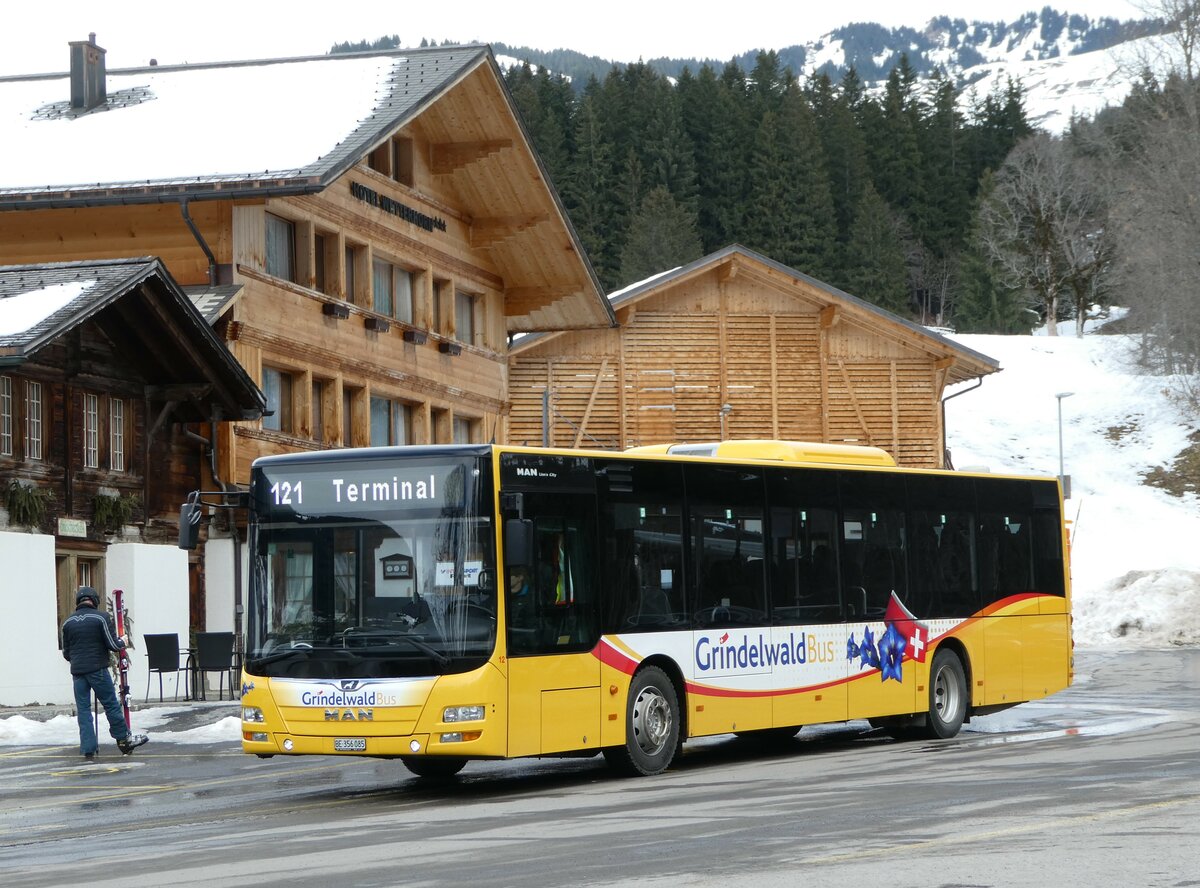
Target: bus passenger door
column 552, row 630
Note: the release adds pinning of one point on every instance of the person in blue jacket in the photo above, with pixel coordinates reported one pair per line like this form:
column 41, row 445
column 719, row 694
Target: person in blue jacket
column 89, row 636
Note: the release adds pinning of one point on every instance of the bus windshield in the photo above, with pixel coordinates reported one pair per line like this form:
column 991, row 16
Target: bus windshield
column 371, row 568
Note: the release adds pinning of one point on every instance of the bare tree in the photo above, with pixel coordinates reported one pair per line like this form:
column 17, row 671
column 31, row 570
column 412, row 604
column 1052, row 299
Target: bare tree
column 1045, row 227
column 1177, row 48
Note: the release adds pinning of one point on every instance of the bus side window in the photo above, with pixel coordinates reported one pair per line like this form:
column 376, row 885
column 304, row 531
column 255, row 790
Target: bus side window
column 641, row 536
column 555, row 610
column 874, row 542
column 804, row 568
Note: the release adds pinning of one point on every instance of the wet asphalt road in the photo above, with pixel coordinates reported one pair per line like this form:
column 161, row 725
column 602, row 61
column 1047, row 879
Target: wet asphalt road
column 1097, row 786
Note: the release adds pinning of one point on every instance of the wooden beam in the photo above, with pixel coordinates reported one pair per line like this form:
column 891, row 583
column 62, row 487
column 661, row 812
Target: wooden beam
column 446, row 157
column 178, row 392
column 491, row 231
column 523, row 300
column 591, row 402
column 895, row 414
column 774, row 380
column 727, row 271
column 829, row 316
column 862, row 420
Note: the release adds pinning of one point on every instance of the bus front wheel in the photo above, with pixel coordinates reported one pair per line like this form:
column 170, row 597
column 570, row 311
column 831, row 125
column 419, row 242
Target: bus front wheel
column 433, row 765
column 947, row 696
column 651, row 726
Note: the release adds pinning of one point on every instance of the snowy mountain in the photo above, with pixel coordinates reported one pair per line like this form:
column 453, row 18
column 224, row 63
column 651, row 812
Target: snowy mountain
column 1068, row 64
column 1135, row 559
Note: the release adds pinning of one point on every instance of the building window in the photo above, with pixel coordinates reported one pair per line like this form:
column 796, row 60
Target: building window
column 402, row 160
column 391, row 422
column 116, row 434
column 464, row 317
column 381, row 286
column 6, row 416
column 277, row 386
column 392, row 287
column 318, row 410
column 463, row 430
column 281, row 248
column 319, row 263
column 91, row 432
column 33, row 420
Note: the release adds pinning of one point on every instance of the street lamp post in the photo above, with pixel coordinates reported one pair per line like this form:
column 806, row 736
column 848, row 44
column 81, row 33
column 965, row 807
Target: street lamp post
column 726, row 409
column 1062, row 478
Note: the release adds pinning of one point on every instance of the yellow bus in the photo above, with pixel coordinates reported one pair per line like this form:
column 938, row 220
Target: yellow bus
column 441, row 604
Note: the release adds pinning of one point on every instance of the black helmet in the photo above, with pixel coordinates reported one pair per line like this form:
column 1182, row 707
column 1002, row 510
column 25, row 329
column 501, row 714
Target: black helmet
column 84, row 593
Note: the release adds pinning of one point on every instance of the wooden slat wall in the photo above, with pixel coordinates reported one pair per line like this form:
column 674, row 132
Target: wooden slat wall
column 684, row 352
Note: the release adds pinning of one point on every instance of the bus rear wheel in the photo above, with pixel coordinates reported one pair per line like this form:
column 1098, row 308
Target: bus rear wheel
column 651, row 726
column 434, row 766
column 947, row 696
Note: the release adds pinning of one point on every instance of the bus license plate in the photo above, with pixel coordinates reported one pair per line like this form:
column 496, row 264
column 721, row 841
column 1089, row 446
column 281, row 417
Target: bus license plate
column 351, row 744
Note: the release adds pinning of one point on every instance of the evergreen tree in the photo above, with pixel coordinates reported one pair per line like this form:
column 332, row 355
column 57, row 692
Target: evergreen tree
column 877, row 271
column 896, row 157
column 662, row 236
column 588, row 191
column 791, row 217
column 944, row 173
column 844, row 148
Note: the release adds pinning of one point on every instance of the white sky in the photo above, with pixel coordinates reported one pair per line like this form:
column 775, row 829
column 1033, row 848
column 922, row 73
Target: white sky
column 35, row 35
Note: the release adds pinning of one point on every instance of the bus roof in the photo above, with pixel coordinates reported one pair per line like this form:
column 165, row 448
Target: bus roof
column 781, row 451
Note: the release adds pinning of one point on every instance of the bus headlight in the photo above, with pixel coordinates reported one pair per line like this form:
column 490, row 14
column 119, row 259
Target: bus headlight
column 252, row 714
column 463, row 713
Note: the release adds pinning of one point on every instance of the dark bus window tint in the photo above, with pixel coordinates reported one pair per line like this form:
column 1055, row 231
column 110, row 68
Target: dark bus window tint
column 1004, row 538
column 728, row 557
column 1047, row 539
column 641, row 545
column 553, row 605
column 804, row 538
column 873, row 542
column 804, row 566
column 942, row 551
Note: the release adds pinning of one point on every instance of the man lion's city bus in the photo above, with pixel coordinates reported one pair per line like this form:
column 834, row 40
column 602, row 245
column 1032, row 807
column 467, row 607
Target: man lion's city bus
column 447, row 603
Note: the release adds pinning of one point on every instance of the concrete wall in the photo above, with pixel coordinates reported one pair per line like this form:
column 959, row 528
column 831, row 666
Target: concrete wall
column 32, row 669
column 155, row 580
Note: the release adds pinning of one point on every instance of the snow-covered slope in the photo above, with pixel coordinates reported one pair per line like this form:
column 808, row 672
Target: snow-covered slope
column 1064, row 61
column 1136, row 549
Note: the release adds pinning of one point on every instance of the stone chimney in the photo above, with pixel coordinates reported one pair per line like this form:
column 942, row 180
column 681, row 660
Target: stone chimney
column 88, row 89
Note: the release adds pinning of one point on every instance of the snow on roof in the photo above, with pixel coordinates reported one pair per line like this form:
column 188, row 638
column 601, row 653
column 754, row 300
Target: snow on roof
column 22, row 312
column 205, row 124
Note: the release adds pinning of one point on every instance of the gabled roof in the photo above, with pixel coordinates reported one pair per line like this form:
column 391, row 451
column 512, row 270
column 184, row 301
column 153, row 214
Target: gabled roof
column 148, row 318
column 221, row 130
column 968, row 364
column 284, row 127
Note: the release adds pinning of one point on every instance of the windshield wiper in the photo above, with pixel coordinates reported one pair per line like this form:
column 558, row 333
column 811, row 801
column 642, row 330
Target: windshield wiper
column 427, row 649
column 305, row 651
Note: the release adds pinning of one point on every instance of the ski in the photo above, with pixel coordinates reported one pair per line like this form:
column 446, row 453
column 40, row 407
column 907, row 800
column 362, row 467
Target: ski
column 123, row 623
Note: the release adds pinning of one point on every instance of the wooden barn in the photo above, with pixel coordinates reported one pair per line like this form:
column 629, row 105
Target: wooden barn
column 364, row 232
column 738, row 346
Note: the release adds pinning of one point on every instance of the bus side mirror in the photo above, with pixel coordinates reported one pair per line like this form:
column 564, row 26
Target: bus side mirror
column 518, row 543
column 190, row 514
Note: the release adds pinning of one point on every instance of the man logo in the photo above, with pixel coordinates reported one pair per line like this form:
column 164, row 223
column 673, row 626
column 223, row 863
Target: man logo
column 349, row 715
column 350, row 684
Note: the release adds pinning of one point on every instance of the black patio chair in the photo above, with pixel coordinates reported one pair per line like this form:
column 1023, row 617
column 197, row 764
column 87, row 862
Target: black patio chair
column 214, row 653
column 162, row 650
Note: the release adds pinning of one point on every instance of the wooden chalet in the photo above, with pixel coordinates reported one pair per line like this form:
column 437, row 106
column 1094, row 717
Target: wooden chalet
column 736, row 345
column 102, row 366
column 363, row 231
